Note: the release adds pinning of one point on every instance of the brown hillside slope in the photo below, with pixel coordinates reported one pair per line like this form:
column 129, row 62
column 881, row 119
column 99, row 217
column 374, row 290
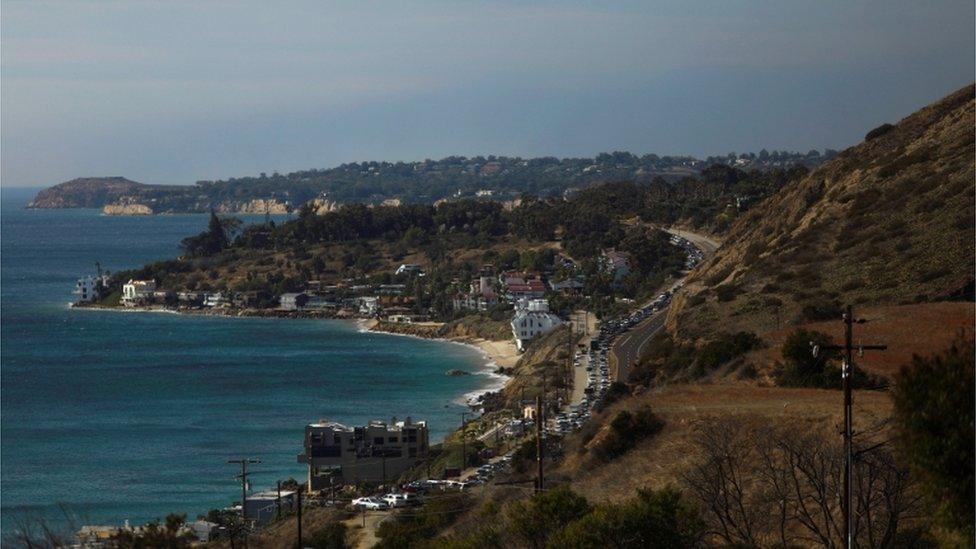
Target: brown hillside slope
column 889, row 221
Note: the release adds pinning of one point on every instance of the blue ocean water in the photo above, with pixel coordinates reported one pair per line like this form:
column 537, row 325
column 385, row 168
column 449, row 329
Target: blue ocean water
column 125, row 415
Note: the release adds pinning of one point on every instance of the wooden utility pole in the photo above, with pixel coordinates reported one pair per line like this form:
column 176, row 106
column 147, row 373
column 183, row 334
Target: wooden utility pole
column 243, row 476
column 298, row 513
column 278, row 502
column 538, row 443
column 464, row 443
column 847, row 500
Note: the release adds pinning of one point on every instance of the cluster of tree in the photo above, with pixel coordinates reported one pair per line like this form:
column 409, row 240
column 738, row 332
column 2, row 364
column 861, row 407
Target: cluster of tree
column 762, row 486
column 557, row 517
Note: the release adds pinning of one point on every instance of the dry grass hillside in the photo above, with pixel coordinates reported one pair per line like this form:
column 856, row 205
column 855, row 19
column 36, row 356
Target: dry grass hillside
column 889, row 221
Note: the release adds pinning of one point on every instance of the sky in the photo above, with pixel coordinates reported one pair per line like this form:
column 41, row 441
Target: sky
column 174, row 92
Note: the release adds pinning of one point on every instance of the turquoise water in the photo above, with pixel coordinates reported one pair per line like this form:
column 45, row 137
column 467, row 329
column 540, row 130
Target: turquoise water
column 117, row 415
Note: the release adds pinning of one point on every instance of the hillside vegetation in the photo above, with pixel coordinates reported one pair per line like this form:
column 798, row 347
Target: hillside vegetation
column 887, row 222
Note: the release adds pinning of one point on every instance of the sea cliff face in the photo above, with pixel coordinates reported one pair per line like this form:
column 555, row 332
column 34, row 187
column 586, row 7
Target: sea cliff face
column 126, row 209
column 255, row 206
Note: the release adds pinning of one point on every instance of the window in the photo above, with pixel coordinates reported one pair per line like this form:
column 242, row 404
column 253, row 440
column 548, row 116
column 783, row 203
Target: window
column 391, row 439
column 377, row 440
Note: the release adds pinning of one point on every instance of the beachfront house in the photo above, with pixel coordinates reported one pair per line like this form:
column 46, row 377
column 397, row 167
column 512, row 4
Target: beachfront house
column 369, row 306
column 216, row 299
column 137, row 292
column 532, row 318
column 377, row 452
column 89, row 288
column 292, row 301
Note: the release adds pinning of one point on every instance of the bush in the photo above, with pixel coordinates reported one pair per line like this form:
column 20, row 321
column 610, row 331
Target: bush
column 727, row 347
column 727, row 292
column 814, row 312
column 802, row 369
column 933, row 416
column 413, row 526
column 331, row 536
column 654, row 519
column 626, row 430
column 878, row 132
column 536, row 520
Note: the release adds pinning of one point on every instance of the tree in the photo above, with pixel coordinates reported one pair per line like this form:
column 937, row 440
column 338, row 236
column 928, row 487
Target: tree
column 933, row 416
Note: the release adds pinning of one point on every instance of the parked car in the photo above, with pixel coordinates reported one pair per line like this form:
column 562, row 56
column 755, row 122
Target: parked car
column 369, row 503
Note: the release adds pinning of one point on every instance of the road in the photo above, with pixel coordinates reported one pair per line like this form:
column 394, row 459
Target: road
column 580, row 377
column 629, row 347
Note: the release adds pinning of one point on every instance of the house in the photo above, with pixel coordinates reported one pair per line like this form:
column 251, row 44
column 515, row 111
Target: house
column 616, row 263
column 250, row 299
column 480, row 297
column 532, row 318
column 204, row 530
column 409, row 269
column 262, row 507
column 572, row 285
column 518, row 287
column 89, row 288
column 216, row 299
column 190, row 299
column 369, row 306
column 321, row 303
column 292, row 301
column 135, row 292
column 375, row 453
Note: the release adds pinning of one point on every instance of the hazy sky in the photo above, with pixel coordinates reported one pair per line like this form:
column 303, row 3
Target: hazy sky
column 173, row 92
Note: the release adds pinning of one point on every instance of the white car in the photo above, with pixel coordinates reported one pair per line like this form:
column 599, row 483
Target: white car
column 400, row 500
column 369, row 503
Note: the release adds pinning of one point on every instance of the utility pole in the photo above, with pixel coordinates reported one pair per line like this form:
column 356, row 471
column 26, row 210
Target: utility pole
column 243, row 476
column 847, row 501
column 278, row 502
column 538, row 443
column 298, row 513
column 464, row 443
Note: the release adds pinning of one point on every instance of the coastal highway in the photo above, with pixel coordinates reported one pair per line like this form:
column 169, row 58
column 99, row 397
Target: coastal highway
column 627, row 348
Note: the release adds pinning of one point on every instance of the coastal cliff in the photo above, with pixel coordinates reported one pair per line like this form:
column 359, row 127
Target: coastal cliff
column 126, row 209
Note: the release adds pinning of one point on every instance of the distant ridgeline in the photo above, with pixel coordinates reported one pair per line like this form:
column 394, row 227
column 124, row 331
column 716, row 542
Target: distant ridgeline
column 496, row 178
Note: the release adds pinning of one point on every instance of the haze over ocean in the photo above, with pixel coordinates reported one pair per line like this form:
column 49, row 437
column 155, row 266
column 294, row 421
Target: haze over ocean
column 134, row 415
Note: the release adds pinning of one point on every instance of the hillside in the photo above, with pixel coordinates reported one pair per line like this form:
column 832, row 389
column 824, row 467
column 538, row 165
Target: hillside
column 425, row 182
column 87, row 192
column 887, row 222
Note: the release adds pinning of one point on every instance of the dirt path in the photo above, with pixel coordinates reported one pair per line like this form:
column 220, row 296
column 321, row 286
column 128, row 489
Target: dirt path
column 365, row 537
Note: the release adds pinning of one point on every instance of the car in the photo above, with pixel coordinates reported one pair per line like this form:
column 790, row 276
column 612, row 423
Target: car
column 371, row 503
column 394, row 500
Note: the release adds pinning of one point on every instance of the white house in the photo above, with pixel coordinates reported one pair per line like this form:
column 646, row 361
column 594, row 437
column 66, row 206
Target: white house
column 214, row 300
column 532, row 318
column 137, row 291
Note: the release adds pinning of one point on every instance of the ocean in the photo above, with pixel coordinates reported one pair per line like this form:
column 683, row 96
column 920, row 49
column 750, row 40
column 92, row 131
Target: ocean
column 107, row 416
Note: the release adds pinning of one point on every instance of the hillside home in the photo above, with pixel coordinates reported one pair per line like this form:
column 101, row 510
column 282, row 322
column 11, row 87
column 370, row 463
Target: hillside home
column 517, row 287
column 532, row 318
column 616, row 263
column 480, row 297
column 409, row 269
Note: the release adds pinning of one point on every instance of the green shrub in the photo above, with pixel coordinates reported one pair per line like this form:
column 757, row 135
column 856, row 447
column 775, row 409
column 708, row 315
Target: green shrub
column 934, row 418
column 727, row 292
column 536, row 520
column 727, row 347
column 626, row 430
column 654, row 519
